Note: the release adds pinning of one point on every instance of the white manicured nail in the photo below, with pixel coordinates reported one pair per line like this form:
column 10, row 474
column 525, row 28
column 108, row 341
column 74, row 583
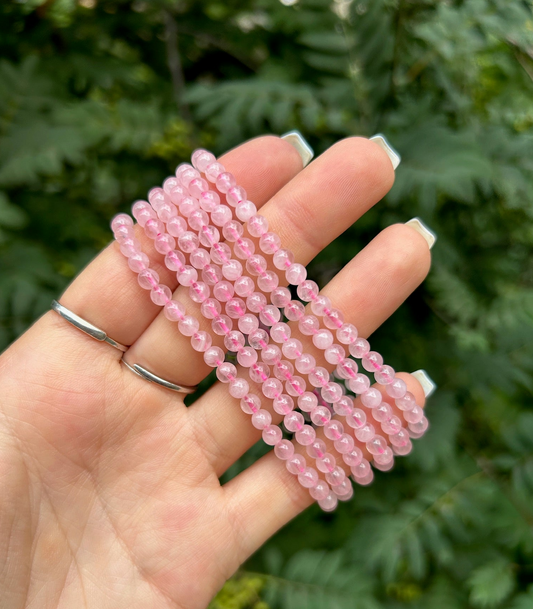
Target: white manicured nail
column 381, row 140
column 296, row 140
column 425, row 380
column 424, row 230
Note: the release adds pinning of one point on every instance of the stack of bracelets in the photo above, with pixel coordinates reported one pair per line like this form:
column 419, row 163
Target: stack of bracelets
column 199, row 234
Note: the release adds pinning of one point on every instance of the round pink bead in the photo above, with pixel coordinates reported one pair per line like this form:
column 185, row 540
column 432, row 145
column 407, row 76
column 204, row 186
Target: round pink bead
column 201, row 341
column 270, row 315
column 344, row 490
column 359, row 348
column 170, row 183
column 336, row 476
column 399, row 439
column 317, row 449
column 247, row 357
column 272, row 388
column 209, row 201
column 232, row 231
column 164, row 243
column 148, row 279
column 226, row 372
column 213, row 170
column 403, row 450
column 344, row 406
column 210, row 308
column 353, row 458
column 377, row 446
column 221, row 215
column 176, row 226
column 187, row 176
column 320, row 415
column 284, row 450
column 414, row 415
column 250, row 403
column 269, row 243
column 333, row 430
column 177, row 194
column 320, row 304
column 280, row 297
column 283, row 259
column 138, row 262
column 385, row 376
column 323, row 339
column 258, row 339
column 307, row 290
column 329, row 503
column 202, row 158
column 214, row 356
column 320, row 491
column 122, row 233
column 220, row 253
column 335, row 354
column 295, row 274
column 333, row 319
column 331, row 393
column 396, row 389
column 225, row 181
column 232, row 270
column 234, row 341
column 307, row 401
column 272, row 435
column 384, row 459
column 406, row 402
column 257, row 225
column 188, row 325
column 294, row 310
column 361, row 470
column 235, row 195
column 345, row 444
column 383, row 412
column 283, row 404
column 244, row 248
column 305, row 364
column 238, row 388
column 308, row 478
column 187, row 275
column 271, row 354
column 346, row 369
column 197, row 186
column 372, row 361
column 199, row 291
column 371, row 398
column 187, row 206
column 268, row 281
column 256, row 302
column 292, row 348
column 121, row 220
column 130, row 247
column 280, row 332
column 224, row 291
column 283, row 370
column 319, row 377
column 153, row 227
column 174, row 311
column 359, row 384
column 160, row 295
column 392, row 425
column 235, row 308
column 293, row 421
column 306, row 435
column 356, row 418
column 244, row 286
column 175, row 261
column 347, row 334
column 420, row 426
column 308, row 325
column 366, row 433
column 248, row 323
column 261, row 419
column 295, row 386
column 296, row 464
column 222, row 325
column 245, row 210
column 200, row 258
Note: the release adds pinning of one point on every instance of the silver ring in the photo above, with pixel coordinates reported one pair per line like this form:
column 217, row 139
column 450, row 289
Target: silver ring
column 153, row 378
column 85, row 326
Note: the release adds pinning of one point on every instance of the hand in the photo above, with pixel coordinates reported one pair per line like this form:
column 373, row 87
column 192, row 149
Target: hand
column 110, row 485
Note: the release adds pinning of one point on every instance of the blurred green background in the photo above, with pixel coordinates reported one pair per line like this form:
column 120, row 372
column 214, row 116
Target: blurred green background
column 101, row 99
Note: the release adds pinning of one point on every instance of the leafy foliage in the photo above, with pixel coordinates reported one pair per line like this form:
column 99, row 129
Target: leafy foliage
column 91, row 116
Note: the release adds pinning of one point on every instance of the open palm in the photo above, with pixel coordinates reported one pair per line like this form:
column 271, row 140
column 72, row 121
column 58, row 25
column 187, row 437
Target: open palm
column 110, row 485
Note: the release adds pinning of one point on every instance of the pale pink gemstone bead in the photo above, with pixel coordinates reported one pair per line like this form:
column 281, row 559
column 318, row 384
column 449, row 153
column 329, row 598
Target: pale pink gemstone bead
column 317, row 449
column 280, row 332
column 284, row 450
column 250, row 403
column 248, row 323
column 258, row 339
column 323, row 339
column 244, row 248
column 334, row 319
column 213, row 170
column 296, row 273
column 124, row 232
column 214, row 356
column 197, row 187
column 406, row 402
column 153, row 227
column 209, row 235
column 333, row 430
column 367, row 479
column 294, row 310
column 283, row 370
column 307, row 401
column 244, row 286
column 166, row 212
column 307, row 290
column 201, row 341
column 138, row 262
column 225, row 181
column 200, row 258
column 280, row 297
column 385, row 376
column 396, row 389
column 383, row 412
column 366, row 433
column 296, row 464
column 320, row 415
column 308, row 478
column 148, row 279
column 345, row 444
column 399, row 439
column 222, row 325
column 211, row 274
column 403, row 450
column 157, row 196
column 292, row 348
column 239, row 387
column 414, row 415
column 256, row 265
column 320, row 304
column 392, row 425
column 188, row 242
column 331, row 393
column 359, row 384
column 187, row 275
column 305, row 364
column 420, row 426
column 176, row 226
column 197, row 219
column 232, row 231
column 247, row 357
column 235, row 308
column 209, row 201
column 346, row 369
column 224, row 291
column 336, row 476
column 164, row 243
column 306, row 435
column 256, row 302
column 335, row 354
column 235, row 195
column 359, row 348
column 361, row 470
column 245, row 210
column 319, row 377
column 170, row 183
column 181, row 168
column 189, row 325
column 308, row 325
column 187, row 176
column 347, row 334
column 269, row 243
column 226, row 372
column 130, row 247
column 377, row 446
column 261, row 419
column 320, row 491
column 385, row 455
column 202, row 158
column 329, row 503
column 268, row 281
column 283, row 404
column 199, row 291
column 142, row 211
column 353, row 458
column 293, row 421
column 344, row 490
column 175, row 261
column 174, row 311
column 187, row 206
column 232, row 270
column 210, row 308
column 271, row 354
column 257, row 225
column 371, row 398
column 221, row 215
column 177, row 194
column 295, row 386
column 283, row 259
column 160, row 295
column 234, row 341
column 344, row 406
column 272, row 388
column 121, row 220
column 356, row 418
column 372, row 361
column 272, row 435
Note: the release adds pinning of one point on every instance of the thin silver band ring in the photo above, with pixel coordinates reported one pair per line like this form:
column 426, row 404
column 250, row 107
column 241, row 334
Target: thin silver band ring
column 153, row 378
column 85, row 326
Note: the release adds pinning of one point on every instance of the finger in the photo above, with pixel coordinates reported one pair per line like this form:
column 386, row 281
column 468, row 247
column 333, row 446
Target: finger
column 107, row 293
column 351, row 176
column 264, row 497
column 368, row 290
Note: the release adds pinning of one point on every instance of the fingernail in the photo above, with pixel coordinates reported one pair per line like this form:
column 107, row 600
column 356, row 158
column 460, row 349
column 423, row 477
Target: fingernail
column 424, row 230
column 297, row 141
column 381, row 140
column 425, row 380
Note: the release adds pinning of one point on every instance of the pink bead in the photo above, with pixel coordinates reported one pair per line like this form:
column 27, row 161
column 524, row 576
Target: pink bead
column 292, row 348
column 353, row 458
column 123, row 233
column 306, row 435
column 199, row 291
column 177, row 194
column 166, row 212
column 224, row 291
column 414, row 415
column 187, row 175
column 407, row 402
column 200, row 258
column 329, row 503
column 269, row 243
column 344, row 490
column 222, row 325
column 283, row 370
column 403, row 450
column 295, row 386
column 396, row 389
column 366, row 433
column 187, row 206
column 221, row 215
column 244, row 286
column 271, row 354
column 175, row 261
column 138, row 262
column 160, row 295
column 268, row 281
column 211, row 274
column 238, row 388
column 270, row 315
column 258, row 339
column 333, row 430
column 232, row 270
column 245, row 210
column 305, row 364
column 293, row 421
column 280, row 297
column 188, row 242
column 361, row 470
column 202, row 158
column 213, row 170
column 130, row 247
column 323, row 339
column 296, row 464
column 272, row 435
column 174, row 311
column 296, row 274
column 308, row 478
column 235, row 195
column 334, row 354
column 250, row 403
column 356, row 418
column 209, row 235
column 317, row 449
column 308, row 325
column 399, row 439
column 225, row 181
column 320, row 304
column 280, row 332
column 247, row 357
column 319, row 377
column 347, row 334
column 283, row 404
column 283, row 259
column 344, row 406
column 244, row 248
column 248, row 323
column 320, row 491
column 384, row 461
column 392, row 425
column 256, row 265
column 226, row 372
column 232, row 231
column 377, row 446
column 234, row 341
column 420, row 426
column 335, row 477
column 197, row 219
column 142, row 212
column 176, row 226
column 284, row 450
column 201, row 341
column 220, row 253
column 188, row 325
column 257, row 225
column 307, row 290
column 345, row 444
column 170, row 183
column 261, row 419
column 381, row 413
column 164, row 243
column 210, row 308
column 187, row 275
column 331, row 393
column 256, row 302
column 197, row 186
column 333, row 319
column 346, row 369
column 294, row 310
column 148, row 279
column 320, row 415
column 272, row 388
column 153, row 228
column 214, row 356
column 366, row 480
column 359, row 384
column 371, row 398
column 372, row 361
column 359, row 348
column 307, row 401
column 385, row 376
column 235, row 308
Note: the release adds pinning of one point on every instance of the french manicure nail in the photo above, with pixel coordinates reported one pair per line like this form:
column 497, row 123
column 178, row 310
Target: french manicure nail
column 424, row 230
column 428, row 385
column 381, row 140
column 297, row 141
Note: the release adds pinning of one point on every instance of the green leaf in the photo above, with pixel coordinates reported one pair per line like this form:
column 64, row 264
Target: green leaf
column 491, row 584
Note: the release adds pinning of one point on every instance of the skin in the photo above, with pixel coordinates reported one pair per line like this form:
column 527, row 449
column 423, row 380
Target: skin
column 110, row 485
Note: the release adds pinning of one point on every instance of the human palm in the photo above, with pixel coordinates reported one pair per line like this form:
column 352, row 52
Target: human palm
column 110, row 485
